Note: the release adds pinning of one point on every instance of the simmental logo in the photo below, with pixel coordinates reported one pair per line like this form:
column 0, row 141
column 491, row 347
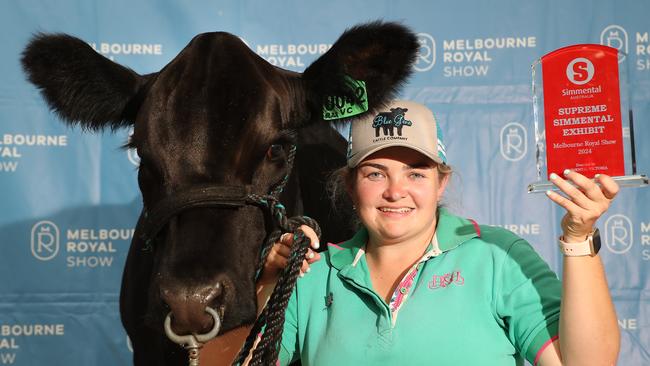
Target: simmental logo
column 447, row 279
column 580, row 71
column 391, row 121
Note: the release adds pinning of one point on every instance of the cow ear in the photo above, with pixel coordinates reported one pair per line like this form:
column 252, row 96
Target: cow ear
column 379, row 54
column 82, row 86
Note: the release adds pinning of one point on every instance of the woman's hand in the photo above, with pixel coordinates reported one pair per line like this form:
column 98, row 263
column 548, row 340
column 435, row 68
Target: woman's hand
column 278, row 257
column 585, row 202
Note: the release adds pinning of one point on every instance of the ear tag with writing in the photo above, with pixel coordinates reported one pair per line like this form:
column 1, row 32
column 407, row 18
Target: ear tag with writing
column 338, row 107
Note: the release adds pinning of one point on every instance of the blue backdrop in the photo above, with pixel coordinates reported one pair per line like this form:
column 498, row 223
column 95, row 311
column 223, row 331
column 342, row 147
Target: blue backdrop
column 70, row 200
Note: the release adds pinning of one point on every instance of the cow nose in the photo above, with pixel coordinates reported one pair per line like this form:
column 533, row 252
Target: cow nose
column 187, row 306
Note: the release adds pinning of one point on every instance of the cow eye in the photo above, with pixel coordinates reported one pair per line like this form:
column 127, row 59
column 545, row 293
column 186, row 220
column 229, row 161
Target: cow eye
column 275, row 152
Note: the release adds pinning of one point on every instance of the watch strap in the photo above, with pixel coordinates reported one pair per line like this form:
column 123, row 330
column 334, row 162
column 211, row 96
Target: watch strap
column 578, row 249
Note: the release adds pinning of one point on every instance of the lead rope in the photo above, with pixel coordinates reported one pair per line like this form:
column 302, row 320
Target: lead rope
column 270, row 322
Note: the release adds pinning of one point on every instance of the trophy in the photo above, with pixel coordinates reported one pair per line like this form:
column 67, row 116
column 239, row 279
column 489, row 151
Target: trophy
column 582, row 115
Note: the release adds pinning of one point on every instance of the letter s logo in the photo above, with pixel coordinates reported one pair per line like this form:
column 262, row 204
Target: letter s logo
column 580, row 71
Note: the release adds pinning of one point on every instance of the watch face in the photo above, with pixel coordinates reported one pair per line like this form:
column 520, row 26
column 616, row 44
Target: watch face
column 596, row 241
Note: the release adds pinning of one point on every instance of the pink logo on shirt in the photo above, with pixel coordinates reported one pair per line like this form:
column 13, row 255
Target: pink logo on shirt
column 441, row 281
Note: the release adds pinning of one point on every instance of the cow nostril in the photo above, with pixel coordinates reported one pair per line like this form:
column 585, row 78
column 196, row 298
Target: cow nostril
column 187, row 305
column 212, row 295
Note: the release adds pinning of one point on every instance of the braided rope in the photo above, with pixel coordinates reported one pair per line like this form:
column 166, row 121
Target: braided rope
column 271, row 320
column 275, row 192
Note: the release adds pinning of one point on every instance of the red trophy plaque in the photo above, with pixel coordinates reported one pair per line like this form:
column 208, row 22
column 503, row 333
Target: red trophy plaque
column 582, row 118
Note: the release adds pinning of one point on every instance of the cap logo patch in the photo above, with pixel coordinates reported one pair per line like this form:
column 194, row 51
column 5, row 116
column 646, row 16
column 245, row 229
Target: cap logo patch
column 389, row 122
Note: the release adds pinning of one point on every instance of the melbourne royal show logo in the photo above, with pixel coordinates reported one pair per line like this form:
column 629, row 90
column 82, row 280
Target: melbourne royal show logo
column 81, row 247
column 618, row 234
column 132, row 153
column 45, row 240
column 615, row 36
column 426, row 57
column 514, row 144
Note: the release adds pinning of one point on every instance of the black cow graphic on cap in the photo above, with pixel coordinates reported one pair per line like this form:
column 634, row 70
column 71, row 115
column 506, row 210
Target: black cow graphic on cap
column 391, row 120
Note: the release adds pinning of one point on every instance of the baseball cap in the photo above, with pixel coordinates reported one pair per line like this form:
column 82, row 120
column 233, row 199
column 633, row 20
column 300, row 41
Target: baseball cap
column 400, row 123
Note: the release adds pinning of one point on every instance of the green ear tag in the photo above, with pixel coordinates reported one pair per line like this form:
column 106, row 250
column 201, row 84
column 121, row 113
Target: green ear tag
column 337, row 107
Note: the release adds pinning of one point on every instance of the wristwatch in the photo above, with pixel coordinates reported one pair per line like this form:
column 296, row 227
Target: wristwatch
column 589, row 247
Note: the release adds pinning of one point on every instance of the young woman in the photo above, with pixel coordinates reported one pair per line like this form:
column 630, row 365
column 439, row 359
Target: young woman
column 419, row 286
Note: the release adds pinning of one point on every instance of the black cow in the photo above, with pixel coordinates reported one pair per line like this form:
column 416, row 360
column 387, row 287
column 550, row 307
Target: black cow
column 217, row 115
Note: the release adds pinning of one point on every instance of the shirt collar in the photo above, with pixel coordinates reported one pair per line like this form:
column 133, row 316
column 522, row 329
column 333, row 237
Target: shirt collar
column 344, row 254
column 451, row 232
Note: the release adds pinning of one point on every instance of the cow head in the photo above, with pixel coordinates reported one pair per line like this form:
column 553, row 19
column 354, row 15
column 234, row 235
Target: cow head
column 216, row 115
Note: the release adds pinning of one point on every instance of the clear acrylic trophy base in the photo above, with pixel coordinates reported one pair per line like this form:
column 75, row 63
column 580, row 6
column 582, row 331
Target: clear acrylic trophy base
column 623, row 181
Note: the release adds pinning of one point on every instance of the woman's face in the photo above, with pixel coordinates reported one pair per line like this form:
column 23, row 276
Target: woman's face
column 396, row 191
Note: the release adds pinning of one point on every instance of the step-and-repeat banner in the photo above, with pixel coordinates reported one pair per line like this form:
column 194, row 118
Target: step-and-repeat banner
column 69, row 200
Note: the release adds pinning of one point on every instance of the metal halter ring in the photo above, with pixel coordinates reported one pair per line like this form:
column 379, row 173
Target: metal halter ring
column 193, row 340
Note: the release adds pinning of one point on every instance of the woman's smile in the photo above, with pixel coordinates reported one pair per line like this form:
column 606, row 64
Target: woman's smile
column 396, row 212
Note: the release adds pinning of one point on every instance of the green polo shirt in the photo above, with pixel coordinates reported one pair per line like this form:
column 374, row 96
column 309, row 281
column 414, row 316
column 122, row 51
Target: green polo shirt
column 479, row 296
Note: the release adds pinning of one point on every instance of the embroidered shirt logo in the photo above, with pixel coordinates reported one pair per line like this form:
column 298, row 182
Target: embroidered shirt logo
column 389, row 121
column 447, row 279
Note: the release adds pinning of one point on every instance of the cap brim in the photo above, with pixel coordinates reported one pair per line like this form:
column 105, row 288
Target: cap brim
column 354, row 160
